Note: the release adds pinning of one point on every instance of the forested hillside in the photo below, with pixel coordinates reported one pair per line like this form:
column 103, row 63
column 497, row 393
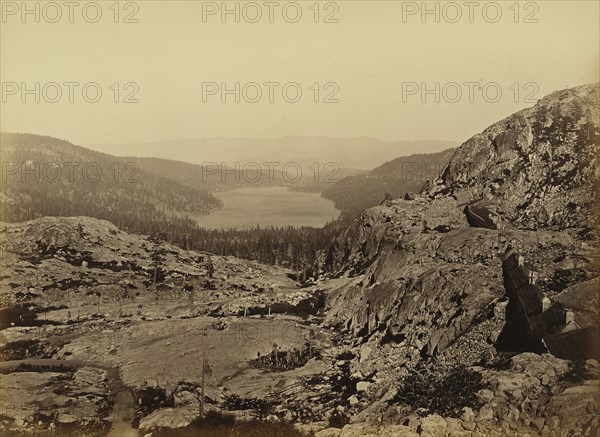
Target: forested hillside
column 296, row 248
column 392, row 180
column 45, row 176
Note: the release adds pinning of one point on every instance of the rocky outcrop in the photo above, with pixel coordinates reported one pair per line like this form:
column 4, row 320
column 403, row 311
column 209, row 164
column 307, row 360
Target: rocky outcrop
column 427, row 269
column 534, row 323
column 380, row 227
column 429, row 277
column 539, row 165
column 484, row 214
column 92, row 243
column 56, row 399
column 61, row 256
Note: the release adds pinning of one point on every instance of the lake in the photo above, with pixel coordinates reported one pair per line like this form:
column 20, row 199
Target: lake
column 269, row 206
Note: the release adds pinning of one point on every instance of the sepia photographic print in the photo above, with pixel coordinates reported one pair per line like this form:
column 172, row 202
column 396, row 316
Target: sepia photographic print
column 303, row 218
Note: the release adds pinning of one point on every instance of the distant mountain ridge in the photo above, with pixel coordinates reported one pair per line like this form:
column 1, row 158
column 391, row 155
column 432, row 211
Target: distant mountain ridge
column 362, row 153
column 217, row 177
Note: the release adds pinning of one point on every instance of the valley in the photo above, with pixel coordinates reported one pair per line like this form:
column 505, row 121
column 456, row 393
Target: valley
column 465, row 308
column 312, row 219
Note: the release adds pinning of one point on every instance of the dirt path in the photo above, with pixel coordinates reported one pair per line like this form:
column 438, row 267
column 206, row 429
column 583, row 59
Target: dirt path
column 123, row 412
column 124, row 408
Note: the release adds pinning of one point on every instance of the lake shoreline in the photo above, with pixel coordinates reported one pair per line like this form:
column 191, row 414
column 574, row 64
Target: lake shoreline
column 247, row 208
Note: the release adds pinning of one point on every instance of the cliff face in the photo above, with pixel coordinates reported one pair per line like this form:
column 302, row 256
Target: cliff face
column 540, row 165
column 424, row 276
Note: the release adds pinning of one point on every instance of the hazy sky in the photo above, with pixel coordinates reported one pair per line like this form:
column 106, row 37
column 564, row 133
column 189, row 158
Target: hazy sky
column 371, row 54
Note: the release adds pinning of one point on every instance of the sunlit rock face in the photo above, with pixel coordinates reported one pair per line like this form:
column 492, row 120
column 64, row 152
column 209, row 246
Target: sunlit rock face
column 425, row 276
column 540, row 165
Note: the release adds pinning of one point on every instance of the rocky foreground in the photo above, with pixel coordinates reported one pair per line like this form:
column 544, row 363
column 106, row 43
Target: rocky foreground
column 427, row 280
column 469, row 309
column 126, row 361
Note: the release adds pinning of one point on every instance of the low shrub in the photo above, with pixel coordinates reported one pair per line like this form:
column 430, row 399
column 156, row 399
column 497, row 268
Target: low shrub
column 444, row 392
column 338, row 420
column 261, row 407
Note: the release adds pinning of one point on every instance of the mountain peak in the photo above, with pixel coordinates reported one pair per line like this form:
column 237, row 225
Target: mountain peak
column 540, row 165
